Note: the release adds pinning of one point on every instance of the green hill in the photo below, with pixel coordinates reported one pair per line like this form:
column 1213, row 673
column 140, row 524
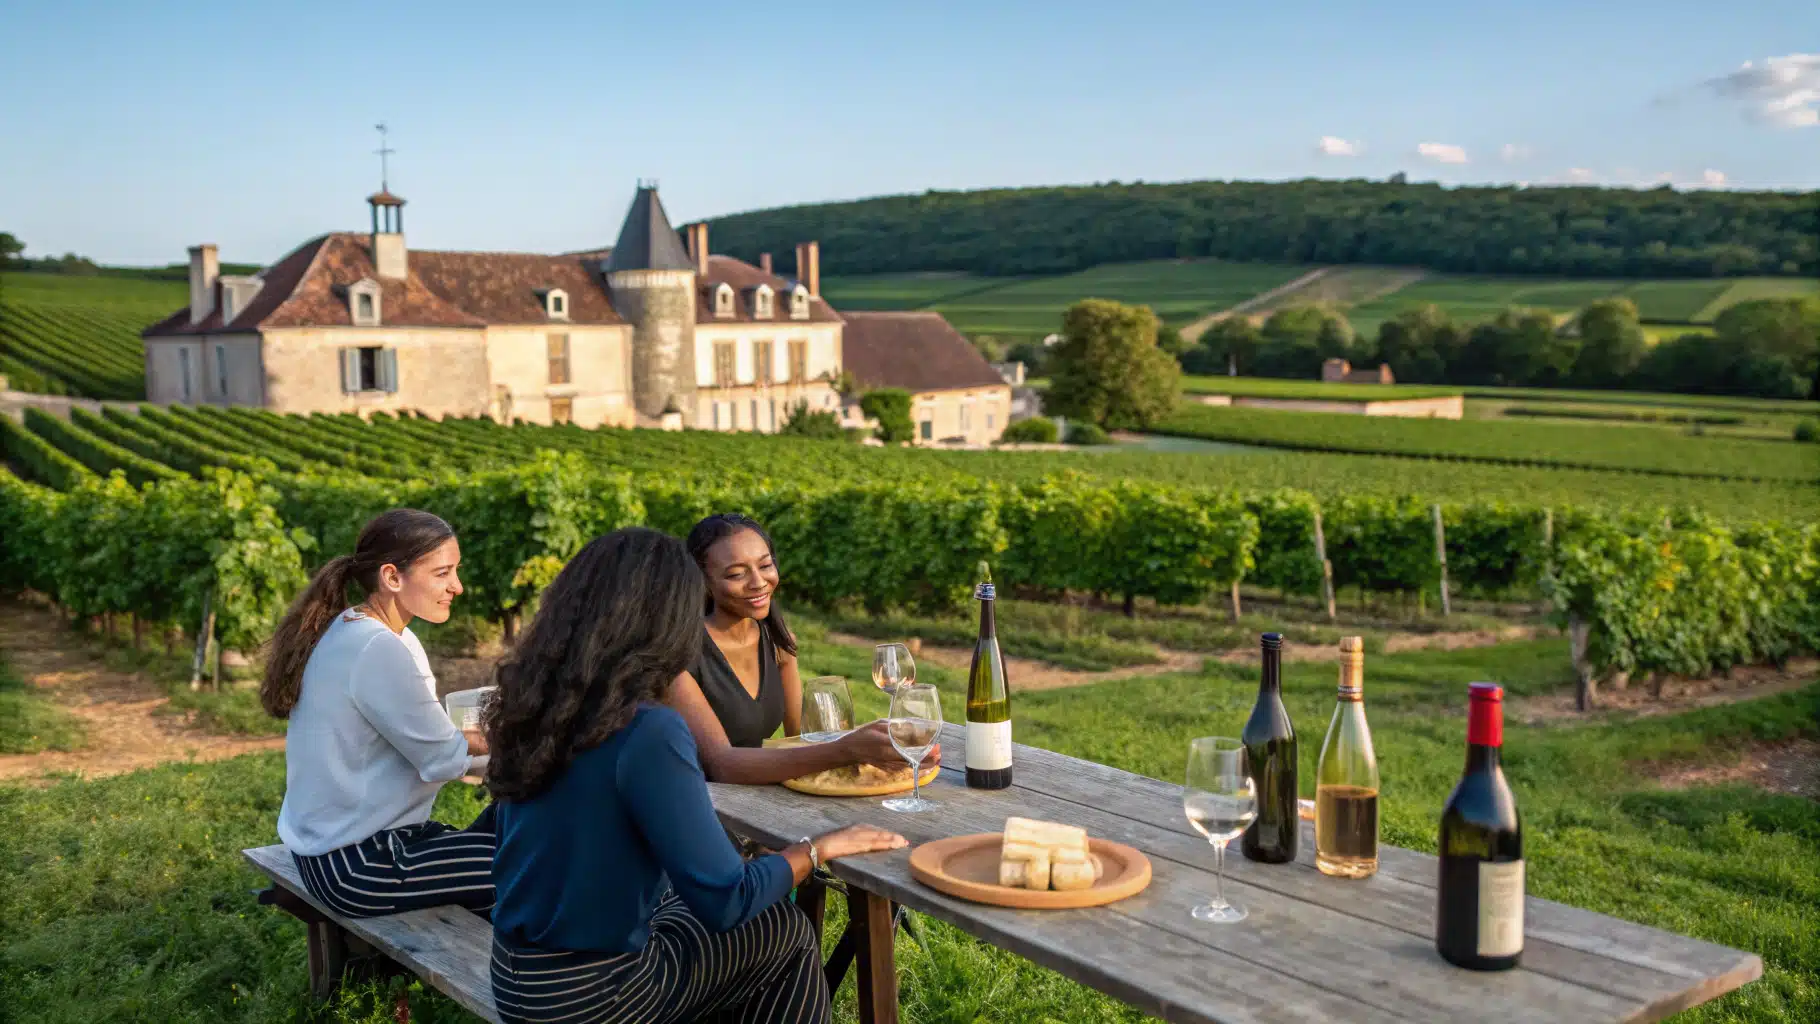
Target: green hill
column 70, row 334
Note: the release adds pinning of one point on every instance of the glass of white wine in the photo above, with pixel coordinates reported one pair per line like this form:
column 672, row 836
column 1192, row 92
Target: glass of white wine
column 827, row 709
column 915, row 724
column 1220, row 800
column 892, row 667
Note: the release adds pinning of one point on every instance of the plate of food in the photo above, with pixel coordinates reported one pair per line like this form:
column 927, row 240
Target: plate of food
column 853, row 779
column 1032, row 865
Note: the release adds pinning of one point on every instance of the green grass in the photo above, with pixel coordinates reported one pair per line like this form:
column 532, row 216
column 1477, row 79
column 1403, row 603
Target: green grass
column 125, row 899
column 1744, row 289
column 1550, row 444
column 905, row 291
column 1657, row 399
column 31, row 723
column 1675, row 301
column 1333, row 391
column 80, row 335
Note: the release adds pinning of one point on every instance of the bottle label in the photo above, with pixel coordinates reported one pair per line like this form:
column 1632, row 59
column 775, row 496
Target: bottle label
column 1500, row 908
column 988, row 745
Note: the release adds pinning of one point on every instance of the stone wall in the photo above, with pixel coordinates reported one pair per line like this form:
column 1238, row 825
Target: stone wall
column 600, row 372
column 660, row 306
column 977, row 416
column 441, row 371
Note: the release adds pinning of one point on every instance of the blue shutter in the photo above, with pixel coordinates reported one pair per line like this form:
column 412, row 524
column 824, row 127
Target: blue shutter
column 388, row 371
column 350, row 371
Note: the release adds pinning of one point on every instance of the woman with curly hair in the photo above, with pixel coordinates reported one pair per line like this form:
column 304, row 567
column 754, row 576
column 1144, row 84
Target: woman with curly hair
column 368, row 747
column 745, row 683
column 620, row 898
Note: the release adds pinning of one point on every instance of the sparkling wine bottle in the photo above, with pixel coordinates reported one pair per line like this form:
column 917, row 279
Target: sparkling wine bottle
column 988, row 700
column 1479, row 920
column 1346, row 783
column 1270, row 756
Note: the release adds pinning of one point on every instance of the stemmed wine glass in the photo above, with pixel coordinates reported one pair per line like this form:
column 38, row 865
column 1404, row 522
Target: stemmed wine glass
column 1220, row 800
column 827, row 709
column 915, row 724
column 892, row 667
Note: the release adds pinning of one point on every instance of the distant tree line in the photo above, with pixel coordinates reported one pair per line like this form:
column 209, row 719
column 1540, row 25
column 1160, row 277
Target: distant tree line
column 12, row 257
column 1769, row 348
column 1580, row 231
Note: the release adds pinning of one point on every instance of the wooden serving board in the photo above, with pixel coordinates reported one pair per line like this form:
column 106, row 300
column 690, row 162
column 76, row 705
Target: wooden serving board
column 846, row 781
column 967, row 867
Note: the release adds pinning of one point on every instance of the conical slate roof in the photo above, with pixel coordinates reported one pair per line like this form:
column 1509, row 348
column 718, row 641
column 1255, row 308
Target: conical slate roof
column 646, row 240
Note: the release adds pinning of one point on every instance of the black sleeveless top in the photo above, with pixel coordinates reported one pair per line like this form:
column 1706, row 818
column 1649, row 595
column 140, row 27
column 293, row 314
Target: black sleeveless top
column 748, row 722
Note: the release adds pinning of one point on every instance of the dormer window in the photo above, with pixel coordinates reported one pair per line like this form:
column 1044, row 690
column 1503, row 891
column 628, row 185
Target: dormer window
column 723, row 300
column 364, row 303
column 762, row 297
column 556, row 304
column 799, row 303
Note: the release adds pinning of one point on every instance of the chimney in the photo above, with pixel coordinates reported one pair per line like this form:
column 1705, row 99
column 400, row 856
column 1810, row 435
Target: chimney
column 698, row 247
column 764, row 262
column 205, row 271
column 809, row 267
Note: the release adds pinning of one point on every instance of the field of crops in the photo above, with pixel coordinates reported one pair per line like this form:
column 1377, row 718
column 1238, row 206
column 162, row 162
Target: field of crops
column 1534, row 444
column 1272, row 387
column 79, row 335
column 906, row 291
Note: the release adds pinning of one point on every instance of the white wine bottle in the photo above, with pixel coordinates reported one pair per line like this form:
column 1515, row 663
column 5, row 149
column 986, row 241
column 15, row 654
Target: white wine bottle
column 1346, row 783
column 988, row 700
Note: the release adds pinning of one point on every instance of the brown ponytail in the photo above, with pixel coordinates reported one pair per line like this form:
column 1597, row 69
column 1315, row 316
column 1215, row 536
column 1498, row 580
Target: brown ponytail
column 397, row 538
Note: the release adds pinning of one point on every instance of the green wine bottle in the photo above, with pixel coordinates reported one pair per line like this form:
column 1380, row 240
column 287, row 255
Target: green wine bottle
column 988, row 700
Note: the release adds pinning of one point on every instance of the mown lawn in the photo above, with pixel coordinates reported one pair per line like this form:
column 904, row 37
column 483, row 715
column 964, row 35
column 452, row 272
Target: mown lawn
column 31, row 722
column 125, row 899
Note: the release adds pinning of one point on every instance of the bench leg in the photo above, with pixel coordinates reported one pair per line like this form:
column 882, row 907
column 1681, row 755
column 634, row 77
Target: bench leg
column 875, row 927
column 328, row 957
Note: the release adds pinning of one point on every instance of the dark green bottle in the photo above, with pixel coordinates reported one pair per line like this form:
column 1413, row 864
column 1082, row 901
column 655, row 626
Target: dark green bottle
column 1270, row 756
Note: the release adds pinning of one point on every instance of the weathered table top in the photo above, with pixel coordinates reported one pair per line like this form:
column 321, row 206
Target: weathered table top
column 1314, row 948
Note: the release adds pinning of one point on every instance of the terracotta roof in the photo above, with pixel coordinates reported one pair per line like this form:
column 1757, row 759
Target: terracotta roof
column 384, row 198
column 745, row 279
column 308, row 288
column 914, row 351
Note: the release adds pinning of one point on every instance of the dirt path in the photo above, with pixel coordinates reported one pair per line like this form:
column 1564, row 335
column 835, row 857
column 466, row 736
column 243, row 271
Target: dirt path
column 1678, row 694
column 120, row 710
column 1792, row 767
column 1395, row 643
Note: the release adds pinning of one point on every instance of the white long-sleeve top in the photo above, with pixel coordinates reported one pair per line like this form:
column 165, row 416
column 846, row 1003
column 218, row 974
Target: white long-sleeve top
column 368, row 745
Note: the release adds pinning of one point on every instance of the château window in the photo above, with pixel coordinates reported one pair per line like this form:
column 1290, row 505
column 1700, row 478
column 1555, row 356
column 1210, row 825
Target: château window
column 799, row 303
column 556, row 304
column 561, row 410
column 363, row 300
column 928, row 429
column 723, row 300
column 183, row 370
column 966, row 416
column 558, row 350
column 761, row 302
column 723, row 364
column 221, row 380
column 764, row 366
column 799, row 361
column 369, row 368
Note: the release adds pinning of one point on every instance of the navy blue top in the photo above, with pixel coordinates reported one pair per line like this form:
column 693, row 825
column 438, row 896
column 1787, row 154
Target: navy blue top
column 581, row 865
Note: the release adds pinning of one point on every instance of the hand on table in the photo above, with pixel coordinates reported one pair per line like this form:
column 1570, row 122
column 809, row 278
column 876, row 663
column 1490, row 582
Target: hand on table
column 856, row 839
column 871, row 744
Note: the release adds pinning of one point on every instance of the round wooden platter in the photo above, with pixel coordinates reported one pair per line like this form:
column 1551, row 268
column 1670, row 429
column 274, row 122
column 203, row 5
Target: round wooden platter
column 967, row 867
column 816, row 785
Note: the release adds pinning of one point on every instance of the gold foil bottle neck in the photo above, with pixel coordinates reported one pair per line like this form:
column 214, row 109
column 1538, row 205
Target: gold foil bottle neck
column 1352, row 668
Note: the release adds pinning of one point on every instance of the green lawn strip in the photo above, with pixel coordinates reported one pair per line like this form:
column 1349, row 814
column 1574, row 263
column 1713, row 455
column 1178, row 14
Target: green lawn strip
column 30, row 722
column 1270, row 387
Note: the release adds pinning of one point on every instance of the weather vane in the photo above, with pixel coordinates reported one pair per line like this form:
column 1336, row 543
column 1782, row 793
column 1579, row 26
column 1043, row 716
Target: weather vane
column 383, row 151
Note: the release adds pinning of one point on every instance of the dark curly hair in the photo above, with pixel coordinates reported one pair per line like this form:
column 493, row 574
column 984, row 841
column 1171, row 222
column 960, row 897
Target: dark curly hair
column 619, row 624
column 711, row 531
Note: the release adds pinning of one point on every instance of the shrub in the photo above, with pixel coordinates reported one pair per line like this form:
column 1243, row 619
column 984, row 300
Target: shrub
column 1808, row 431
column 1038, row 430
column 1087, row 433
column 806, row 422
column 891, row 408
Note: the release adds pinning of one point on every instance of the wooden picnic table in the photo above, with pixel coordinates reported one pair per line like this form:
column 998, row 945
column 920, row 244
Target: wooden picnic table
column 1314, row 948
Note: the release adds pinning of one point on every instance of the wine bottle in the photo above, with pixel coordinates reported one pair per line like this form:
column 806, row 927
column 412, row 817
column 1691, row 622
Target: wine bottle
column 1270, row 756
column 1479, row 920
column 988, row 700
column 1346, row 783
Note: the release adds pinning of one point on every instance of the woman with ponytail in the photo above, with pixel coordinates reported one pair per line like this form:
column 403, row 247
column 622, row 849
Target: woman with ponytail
column 745, row 684
column 369, row 746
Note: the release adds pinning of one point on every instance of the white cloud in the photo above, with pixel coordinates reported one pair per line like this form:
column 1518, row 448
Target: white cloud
column 1441, row 152
column 1511, row 152
column 1712, row 179
column 1333, row 145
column 1780, row 90
column 1581, row 174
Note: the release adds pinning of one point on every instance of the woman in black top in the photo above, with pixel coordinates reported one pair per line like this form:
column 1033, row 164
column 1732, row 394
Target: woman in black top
column 745, row 684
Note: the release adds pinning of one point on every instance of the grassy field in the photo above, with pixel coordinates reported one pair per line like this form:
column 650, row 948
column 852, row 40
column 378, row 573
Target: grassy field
column 80, row 335
column 1271, row 387
column 1746, row 288
column 1551, row 444
column 125, row 899
column 29, row 723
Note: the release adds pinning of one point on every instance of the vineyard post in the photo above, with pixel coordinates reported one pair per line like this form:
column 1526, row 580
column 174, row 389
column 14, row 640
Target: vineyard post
column 1320, row 554
column 138, row 632
column 1441, row 557
column 1579, row 630
column 1235, row 600
column 203, row 636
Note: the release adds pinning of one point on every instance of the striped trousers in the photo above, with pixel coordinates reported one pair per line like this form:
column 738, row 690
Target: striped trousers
column 767, row 971
column 399, row 869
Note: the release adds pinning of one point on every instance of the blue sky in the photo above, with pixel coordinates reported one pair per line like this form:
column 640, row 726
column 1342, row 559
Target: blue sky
column 132, row 130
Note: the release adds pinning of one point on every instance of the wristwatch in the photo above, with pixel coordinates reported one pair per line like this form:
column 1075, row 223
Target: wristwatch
column 815, row 857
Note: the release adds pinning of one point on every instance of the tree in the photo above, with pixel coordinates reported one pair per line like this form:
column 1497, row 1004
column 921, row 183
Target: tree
column 1107, row 369
column 803, row 421
column 1782, row 335
column 1612, row 344
column 1296, row 340
column 1171, row 342
column 1521, row 347
column 10, row 247
column 1228, row 347
column 1031, row 353
column 891, row 408
column 1418, row 344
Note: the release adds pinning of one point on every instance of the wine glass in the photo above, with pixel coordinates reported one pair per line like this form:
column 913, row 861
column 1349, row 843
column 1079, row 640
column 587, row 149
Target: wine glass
column 892, row 667
column 827, row 709
column 915, row 725
column 1220, row 801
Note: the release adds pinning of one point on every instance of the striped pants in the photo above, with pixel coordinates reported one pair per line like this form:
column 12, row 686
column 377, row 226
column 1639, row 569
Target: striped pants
column 767, row 971
column 427, row 865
